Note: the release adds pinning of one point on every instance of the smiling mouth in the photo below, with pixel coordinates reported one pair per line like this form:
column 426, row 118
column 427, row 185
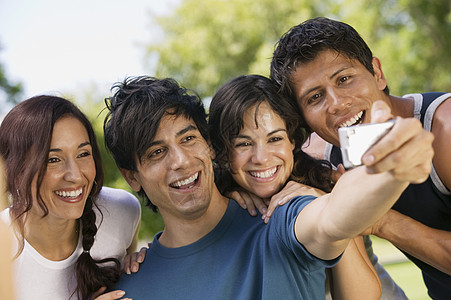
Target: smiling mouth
column 69, row 195
column 357, row 119
column 264, row 174
column 186, row 183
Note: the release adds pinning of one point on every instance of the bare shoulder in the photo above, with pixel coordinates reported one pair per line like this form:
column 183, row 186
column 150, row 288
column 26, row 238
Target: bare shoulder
column 441, row 116
column 441, row 128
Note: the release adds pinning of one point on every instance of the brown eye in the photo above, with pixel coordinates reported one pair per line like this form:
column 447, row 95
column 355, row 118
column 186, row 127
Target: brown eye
column 343, row 79
column 242, row 144
column 156, row 152
column 85, row 154
column 275, row 139
column 315, row 98
column 52, row 160
column 189, row 138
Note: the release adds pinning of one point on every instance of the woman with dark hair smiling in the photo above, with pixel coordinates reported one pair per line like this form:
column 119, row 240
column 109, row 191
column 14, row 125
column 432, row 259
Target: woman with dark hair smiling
column 257, row 138
column 72, row 233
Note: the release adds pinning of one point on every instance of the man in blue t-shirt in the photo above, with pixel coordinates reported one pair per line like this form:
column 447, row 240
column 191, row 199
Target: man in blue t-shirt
column 210, row 248
column 334, row 82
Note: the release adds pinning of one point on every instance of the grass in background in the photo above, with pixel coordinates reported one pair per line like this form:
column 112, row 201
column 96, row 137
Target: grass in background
column 405, row 273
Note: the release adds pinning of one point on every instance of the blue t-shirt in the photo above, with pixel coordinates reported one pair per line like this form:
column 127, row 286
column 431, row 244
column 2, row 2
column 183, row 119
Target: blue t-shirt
column 241, row 258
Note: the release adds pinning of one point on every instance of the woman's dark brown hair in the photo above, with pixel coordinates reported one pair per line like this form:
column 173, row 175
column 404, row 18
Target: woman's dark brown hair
column 225, row 121
column 25, row 137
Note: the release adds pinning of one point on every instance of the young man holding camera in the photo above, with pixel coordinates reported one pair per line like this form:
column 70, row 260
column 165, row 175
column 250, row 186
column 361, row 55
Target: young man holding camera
column 327, row 68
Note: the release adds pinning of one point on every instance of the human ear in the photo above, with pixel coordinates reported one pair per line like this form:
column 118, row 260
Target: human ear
column 130, row 177
column 212, row 151
column 379, row 74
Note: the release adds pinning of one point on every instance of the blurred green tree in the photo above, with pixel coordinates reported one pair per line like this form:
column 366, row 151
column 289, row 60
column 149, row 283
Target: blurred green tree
column 208, row 42
column 12, row 90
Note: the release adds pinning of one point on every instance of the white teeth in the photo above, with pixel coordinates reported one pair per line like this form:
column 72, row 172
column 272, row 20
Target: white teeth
column 265, row 174
column 72, row 194
column 186, row 181
column 353, row 120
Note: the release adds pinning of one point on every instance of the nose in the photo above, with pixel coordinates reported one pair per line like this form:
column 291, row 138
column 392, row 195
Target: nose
column 178, row 158
column 73, row 172
column 337, row 101
column 260, row 154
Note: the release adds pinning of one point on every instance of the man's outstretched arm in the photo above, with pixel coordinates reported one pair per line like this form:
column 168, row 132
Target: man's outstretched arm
column 363, row 195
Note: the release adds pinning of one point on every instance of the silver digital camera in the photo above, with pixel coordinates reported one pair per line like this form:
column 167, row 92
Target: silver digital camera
column 356, row 140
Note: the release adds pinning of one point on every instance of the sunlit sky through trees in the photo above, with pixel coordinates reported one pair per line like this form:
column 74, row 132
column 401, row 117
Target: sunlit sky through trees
column 63, row 47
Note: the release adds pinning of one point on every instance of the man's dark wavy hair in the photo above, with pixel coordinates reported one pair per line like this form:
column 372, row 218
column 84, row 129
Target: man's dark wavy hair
column 135, row 113
column 302, row 44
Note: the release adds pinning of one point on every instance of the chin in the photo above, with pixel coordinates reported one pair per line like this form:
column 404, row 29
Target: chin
column 75, row 216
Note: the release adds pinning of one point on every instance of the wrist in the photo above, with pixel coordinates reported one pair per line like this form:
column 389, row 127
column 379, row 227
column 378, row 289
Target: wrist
column 380, row 227
column 387, row 224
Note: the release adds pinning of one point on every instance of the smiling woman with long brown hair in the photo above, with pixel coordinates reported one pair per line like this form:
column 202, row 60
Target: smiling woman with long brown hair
column 71, row 232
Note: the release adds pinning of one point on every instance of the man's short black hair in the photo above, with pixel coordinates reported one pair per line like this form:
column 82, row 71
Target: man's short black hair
column 302, row 44
column 135, row 113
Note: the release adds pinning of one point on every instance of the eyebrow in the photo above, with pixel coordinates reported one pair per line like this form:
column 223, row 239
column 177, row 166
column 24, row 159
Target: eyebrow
column 338, row 71
column 190, row 127
column 242, row 136
column 185, row 130
column 79, row 146
column 330, row 77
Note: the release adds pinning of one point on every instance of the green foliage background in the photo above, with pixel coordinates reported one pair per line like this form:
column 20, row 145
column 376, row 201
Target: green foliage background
column 207, row 43
column 11, row 90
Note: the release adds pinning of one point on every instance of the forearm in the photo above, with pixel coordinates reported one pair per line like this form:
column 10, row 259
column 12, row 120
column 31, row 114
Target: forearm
column 430, row 245
column 354, row 276
column 358, row 200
